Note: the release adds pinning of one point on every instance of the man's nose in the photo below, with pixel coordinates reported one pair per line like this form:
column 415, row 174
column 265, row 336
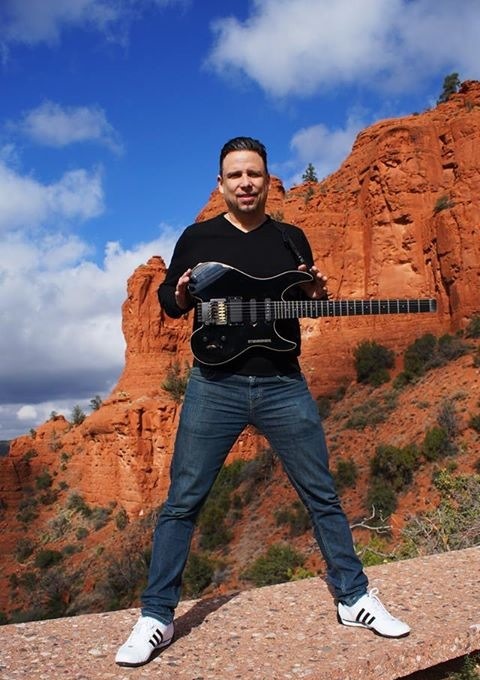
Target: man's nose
column 246, row 180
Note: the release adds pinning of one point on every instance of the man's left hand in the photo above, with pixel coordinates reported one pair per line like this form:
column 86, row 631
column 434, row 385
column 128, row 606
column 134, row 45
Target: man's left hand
column 316, row 289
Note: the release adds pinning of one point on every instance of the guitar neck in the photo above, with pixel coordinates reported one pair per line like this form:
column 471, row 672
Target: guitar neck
column 224, row 311
column 328, row 308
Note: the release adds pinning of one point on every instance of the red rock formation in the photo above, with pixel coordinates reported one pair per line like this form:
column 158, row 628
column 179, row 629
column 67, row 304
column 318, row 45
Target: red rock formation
column 400, row 218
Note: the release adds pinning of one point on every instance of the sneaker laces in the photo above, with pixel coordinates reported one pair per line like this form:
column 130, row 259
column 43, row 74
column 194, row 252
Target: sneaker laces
column 142, row 627
column 377, row 604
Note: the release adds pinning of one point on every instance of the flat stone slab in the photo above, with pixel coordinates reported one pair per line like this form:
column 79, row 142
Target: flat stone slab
column 279, row 632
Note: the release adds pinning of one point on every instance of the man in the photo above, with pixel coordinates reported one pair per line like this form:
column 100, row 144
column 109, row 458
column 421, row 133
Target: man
column 258, row 386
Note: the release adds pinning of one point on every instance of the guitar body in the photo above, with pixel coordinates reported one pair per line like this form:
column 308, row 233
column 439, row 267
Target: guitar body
column 236, row 315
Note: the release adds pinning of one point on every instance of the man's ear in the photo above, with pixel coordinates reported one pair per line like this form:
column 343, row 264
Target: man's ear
column 220, row 183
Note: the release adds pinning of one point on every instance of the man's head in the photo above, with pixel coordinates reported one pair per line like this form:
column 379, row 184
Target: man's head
column 244, row 180
column 243, row 144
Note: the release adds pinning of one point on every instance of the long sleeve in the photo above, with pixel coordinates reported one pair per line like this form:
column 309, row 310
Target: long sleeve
column 178, row 265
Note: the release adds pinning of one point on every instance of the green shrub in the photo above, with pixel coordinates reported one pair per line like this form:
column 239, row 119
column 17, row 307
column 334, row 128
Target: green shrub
column 372, row 361
column 419, row 354
column 28, row 580
column 47, row 558
column 473, row 327
column 474, row 422
column 3, row 619
column 44, row 480
column 374, row 552
column 443, row 203
column 453, row 525
column 59, row 525
column 99, row 517
column 451, row 347
column 436, row 444
column 346, row 474
column 213, row 529
column 27, row 510
column 468, row 670
column 198, row 574
column 371, row 412
column 176, row 380
column 77, row 503
column 383, row 499
column 395, row 466
column 124, row 575
column 24, row 549
column 447, row 418
column 324, row 406
column 49, row 497
column 81, row 533
column 121, row 519
column 296, row 516
column 71, row 549
column 276, row 566
column 28, row 455
column 260, row 469
column 428, row 352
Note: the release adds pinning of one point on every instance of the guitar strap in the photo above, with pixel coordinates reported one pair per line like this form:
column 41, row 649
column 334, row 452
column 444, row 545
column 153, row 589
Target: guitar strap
column 289, row 243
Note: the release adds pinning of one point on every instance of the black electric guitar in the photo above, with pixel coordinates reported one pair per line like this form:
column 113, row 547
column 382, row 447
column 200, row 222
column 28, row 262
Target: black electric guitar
column 237, row 311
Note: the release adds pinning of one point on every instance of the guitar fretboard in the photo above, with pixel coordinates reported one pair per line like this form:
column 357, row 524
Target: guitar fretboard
column 321, row 308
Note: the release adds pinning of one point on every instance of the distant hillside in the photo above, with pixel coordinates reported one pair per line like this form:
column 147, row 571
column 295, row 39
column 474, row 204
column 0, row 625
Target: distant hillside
column 4, row 446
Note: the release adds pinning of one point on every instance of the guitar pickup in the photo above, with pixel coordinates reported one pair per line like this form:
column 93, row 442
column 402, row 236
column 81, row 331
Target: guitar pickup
column 220, row 312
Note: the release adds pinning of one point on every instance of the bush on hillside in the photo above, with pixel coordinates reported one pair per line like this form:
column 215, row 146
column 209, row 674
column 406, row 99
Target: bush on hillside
column 346, row 474
column 372, row 362
column 276, row 566
column 395, row 466
column 453, row 525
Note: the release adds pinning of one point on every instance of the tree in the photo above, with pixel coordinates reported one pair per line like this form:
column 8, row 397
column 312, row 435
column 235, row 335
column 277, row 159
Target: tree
column 96, row 402
column 78, row 416
column 310, row 174
column 451, row 83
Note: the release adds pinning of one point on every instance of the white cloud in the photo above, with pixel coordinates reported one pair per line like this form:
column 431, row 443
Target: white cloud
column 301, row 47
column 26, row 203
column 53, row 125
column 323, row 147
column 42, row 21
column 27, row 412
column 63, row 341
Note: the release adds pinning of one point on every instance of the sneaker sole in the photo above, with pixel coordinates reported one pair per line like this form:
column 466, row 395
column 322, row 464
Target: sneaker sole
column 355, row 624
column 153, row 655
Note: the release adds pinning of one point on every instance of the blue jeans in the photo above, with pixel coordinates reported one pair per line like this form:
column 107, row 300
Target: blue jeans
column 216, row 409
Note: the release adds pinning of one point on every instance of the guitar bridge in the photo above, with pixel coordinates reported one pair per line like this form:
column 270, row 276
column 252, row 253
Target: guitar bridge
column 214, row 312
column 220, row 312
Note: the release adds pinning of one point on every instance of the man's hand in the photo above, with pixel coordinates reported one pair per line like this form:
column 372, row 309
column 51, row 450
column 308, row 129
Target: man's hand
column 182, row 296
column 316, row 289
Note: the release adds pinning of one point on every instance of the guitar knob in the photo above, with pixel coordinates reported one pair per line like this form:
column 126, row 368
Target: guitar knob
column 204, row 338
column 223, row 338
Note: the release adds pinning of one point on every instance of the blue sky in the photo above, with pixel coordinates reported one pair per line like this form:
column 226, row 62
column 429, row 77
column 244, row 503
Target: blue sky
column 111, row 119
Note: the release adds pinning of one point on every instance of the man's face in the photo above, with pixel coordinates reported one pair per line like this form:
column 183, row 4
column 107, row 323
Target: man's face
column 244, row 183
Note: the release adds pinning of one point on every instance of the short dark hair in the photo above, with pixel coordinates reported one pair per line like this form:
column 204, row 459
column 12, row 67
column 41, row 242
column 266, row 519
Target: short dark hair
column 244, row 144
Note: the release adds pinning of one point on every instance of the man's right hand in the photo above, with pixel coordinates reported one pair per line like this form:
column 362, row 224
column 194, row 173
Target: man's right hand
column 182, row 296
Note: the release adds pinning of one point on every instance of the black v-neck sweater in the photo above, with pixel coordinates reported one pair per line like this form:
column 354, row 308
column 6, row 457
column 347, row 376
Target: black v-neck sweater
column 263, row 252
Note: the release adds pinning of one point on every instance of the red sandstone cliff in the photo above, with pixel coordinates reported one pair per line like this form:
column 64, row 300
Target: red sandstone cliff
column 400, row 218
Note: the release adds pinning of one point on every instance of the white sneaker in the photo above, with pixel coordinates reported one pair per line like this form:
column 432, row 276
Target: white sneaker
column 369, row 612
column 147, row 635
